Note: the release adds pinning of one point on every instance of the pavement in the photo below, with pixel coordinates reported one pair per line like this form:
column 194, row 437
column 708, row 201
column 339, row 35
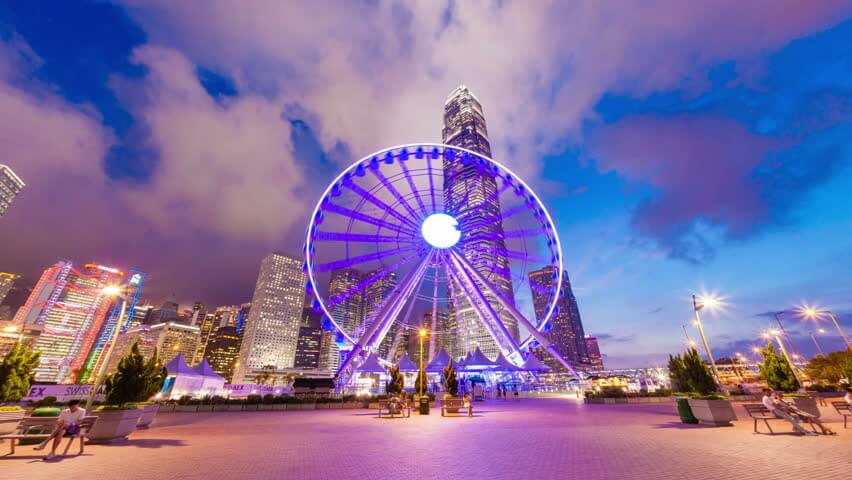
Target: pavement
column 532, row 438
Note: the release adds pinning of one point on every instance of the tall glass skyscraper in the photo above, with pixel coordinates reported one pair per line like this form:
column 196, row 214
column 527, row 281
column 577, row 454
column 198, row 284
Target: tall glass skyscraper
column 472, row 197
column 10, row 186
column 566, row 332
column 272, row 328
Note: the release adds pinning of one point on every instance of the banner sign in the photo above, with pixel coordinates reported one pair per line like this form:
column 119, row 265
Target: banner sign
column 244, row 390
column 63, row 393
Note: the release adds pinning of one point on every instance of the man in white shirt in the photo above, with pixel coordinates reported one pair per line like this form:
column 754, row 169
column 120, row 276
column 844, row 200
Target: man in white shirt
column 68, row 422
column 778, row 410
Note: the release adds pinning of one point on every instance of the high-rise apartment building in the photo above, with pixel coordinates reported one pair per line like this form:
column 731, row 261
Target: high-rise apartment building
column 10, row 186
column 272, row 328
column 69, row 303
column 594, row 350
column 223, row 350
column 471, row 196
column 566, row 331
column 7, row 281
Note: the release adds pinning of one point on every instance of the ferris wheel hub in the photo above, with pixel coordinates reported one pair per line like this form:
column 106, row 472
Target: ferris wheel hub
column 441, row 230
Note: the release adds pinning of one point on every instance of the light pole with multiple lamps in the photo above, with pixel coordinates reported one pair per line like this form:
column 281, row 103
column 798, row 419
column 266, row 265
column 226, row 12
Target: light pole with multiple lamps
column 697, row 305
column 422, row 333
column 111, row 291
column 814, row 314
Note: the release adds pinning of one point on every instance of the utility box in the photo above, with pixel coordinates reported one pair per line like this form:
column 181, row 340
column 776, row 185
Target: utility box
column 424, row 405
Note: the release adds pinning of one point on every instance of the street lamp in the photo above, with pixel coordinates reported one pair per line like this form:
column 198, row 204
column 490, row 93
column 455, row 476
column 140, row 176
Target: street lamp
column 777, row 335
column 818, row 346
column 422, row 334
column 710, row 302
column 109, row 291
column 813, row 314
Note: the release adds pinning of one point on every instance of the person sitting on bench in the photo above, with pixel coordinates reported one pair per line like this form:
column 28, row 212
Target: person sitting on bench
column 67, row 424
column 776, row 409
column 802, row 415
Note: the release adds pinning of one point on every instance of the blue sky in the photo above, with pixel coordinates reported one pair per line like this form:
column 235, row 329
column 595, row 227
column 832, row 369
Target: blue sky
column 683, row 147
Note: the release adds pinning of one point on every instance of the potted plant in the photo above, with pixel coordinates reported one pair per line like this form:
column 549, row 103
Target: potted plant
column 135, row 380
column 708, row 407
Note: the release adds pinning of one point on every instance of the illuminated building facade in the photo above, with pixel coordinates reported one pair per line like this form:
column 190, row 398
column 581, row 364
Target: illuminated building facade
column 374, row 297
column 7, row 281
column 95, row 357
column 309, row 347
column 168, row 339
column 272, row 328
column 69, row 304
column 223, row 350
column 445, row 336
column 10, row 186
column 473, row 199
column 594, row 350
column 566, row 331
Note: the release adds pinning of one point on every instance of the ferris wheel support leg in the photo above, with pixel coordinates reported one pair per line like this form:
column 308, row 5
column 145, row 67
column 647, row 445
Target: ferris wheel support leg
column 542, row 339
column 399, row 333
column 386, row 314
column 475, row 295
column 434, row 326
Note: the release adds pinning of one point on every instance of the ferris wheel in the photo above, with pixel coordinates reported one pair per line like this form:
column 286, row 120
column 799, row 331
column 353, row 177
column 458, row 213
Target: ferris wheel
column 435, row 237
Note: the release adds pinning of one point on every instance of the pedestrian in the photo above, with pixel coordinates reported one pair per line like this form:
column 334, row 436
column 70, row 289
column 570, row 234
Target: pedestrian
column 775, row 407
column 68, row 423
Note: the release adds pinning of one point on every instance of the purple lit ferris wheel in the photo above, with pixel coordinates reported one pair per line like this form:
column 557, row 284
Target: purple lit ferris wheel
column 437, row 237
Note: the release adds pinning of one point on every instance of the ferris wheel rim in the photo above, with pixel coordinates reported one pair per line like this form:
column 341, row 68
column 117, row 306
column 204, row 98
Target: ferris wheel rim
column 309, row 270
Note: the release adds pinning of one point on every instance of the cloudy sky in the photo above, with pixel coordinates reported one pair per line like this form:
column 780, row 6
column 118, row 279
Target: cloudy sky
column 682, row 146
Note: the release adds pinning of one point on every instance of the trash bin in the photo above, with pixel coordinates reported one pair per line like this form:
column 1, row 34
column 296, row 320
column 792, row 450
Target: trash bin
column 424, row 405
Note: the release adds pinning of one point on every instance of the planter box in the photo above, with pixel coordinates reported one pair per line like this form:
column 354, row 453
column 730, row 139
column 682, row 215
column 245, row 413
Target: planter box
column 113, row 425
column 808, row 405
column 301, row 406
column 9, row 420
column 279, row 406
column 265, row 407
column 250, row 407
column 205, row 408
column 149, row 412
column 712, row 412
column 186, row 408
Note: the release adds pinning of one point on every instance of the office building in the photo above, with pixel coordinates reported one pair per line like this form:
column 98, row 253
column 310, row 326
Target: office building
column 168, row 339
column 374, row 298
column 566, row 332
column 472, row 197
column 69, row 304
column 7, row 281
column 272, row 328
column 223, row 350
column 309, row 346
column 594, row 351
column 10, row 186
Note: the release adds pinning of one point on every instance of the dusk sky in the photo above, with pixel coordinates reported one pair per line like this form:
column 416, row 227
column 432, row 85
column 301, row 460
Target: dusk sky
column 683, row 147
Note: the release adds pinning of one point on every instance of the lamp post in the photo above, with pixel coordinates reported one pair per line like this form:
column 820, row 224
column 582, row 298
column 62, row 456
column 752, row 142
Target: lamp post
column 696, row 306
column 777, row 335
column 112, row 291
column 819, row 348
column 813, row 313
column 422, row 334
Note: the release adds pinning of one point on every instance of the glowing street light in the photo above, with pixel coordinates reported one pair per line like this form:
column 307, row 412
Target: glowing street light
column 698, row 304
column 109, row 291
column 814, row 313
column 422, row 334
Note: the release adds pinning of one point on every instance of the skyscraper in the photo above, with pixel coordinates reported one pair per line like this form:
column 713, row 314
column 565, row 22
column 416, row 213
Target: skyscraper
column 472, row 198
column 374, row 297
column 347, row 309
column 10, row 186
column 566, row 332
column 68, row 302
column 169, row 339
column 7, row 281
column 310, row 340
column 223, row 350
column 595, row 357
column 272, row 328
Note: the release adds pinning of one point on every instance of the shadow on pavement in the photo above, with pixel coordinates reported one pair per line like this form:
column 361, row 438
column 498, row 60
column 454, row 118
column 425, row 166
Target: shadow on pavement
column 147, row 443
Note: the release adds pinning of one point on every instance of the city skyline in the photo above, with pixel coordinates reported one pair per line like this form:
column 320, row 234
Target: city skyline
column 622, row 146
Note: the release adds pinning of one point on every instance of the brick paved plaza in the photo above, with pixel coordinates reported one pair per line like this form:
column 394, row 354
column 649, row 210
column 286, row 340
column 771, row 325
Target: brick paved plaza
column 530, row 438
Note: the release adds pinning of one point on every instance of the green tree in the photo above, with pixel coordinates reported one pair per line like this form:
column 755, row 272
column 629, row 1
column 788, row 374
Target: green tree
column 135, row 380
column 697, row 373
column 829, row 368
column 397, row 383
column 16, row 373
column 776, row 371
column 451, row 383
column 677, row 374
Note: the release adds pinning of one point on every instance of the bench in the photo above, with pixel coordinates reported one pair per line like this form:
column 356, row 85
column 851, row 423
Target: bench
column 757, row 411
column 456, row 405
column 41, row 428
column 385, row 408
column 844, row 409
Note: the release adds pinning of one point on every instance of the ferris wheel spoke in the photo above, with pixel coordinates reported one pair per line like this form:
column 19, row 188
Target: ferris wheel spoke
column 398, row 337
column 526, row 256
column 348, row 262
column 483, row 308
column 410, row 180
column 389, row 186
column 348, row 212
column 431, row 183
column 542, row 339
column 511, row 212
column 379, row 203
column 361, row 238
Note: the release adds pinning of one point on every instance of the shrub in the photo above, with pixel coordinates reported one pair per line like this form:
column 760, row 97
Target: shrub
column 776, row 371
column 824, row 388
column 48, row 401
column 268, row 399
column 697, row 373
column 253, row 399
column 46, row 412
column 12, row 408
column 677, row 374
column 16, row 372
column 135, row 380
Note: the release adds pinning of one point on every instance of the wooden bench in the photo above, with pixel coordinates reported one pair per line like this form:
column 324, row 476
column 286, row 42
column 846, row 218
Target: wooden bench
column 456, row 405
column 41, row 428
column 757, row 411
column 385, row 408
column 844, row 409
